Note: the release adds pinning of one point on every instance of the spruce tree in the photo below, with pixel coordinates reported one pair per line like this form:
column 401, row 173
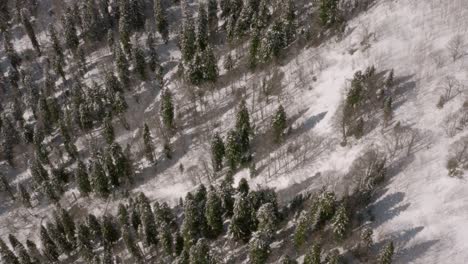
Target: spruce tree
column 200, row 253
column 49, row 248
column 24, row 195
column 279, row 125
column 210, row 69
column 161, row 20
column 82, row 179
column 366, row 239
column 140, row 63
column 68, row 224
column 110, row 233
column 217, row 152
column 190, row 227
column 188, row 40
column 153, row 62
column 259, row 248
column 84, row 245
column 214, row 213
column 340, row 222
column 167, row 110
column 243, row 187
column 150, row 231
column 130, row 241
column 165, row 237
column 56, row 44
column 233, row 151
column 287, row 260
column 122, row 68
column 328, row 12
column 202, row 27
column 70, row 33
column 108, row 130
column 125, row 25
column 148, row 144
column 33, row 251
column 7, row 256
column 24, row 258
column 301, row 229
column 99, row 180
column 228, row 62
column 28, row 27
column 313, row 256
column 254, row 49
column 386, row 255
column 267, row 219
column 241, row 221
column 213, row 15
column 196, row 69
column 387, row 111
column 94, row 228
column 243, row 130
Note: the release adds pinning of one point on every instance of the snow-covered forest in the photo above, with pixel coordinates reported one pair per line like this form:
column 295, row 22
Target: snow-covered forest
column 233, row 131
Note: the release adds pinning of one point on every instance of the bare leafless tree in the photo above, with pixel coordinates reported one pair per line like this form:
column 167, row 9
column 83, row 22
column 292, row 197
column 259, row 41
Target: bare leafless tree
column 456, row 47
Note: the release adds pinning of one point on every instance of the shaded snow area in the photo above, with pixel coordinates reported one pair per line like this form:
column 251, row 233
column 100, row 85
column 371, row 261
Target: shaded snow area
column 420, row 208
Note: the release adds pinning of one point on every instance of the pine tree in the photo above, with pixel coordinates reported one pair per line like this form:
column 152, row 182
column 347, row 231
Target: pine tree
column 200, row 253
column 279, row 125
column 313, row 256
column 140, row 63
column 243, row 130
column 301, row 230
column 110, row 233
column 108, row 130
column 254, row 49
column 386, row 255
column 210, row 69
column 214, row 213
column 213, row 15
column 24, row 258
column 33, row 251
column 125, row 25
column 167, row 109
column 99, row 180
column 150, row 231
column 94, row 227
column 274, row 41
column 195, row 71
column 130, row 241
column 287, row 260
column 107, row 256
column 70, row 32
column 233, row 151
column 366, row 238
column 161, row 20
column 328, row 12
column 109, row 166
column 7, row 255
column 228, row 63
column 49, row 248
column 179, row 244
column 289, row 24
column 84, row 245
column 137, row 8
column 56, row 44
column 267, row 219
column 241, row 221
column 68, row 225
column 148, row 144
column 188, row 40
column 153, row 61
column 24, row 196
column 30, row 31
column 82, row 180
column 217, row 152
column 332, row 257
column 122, row 68
column 340, row 222
column 190, row 228
column 259, row 248
column 165, row 237
column 202, row 27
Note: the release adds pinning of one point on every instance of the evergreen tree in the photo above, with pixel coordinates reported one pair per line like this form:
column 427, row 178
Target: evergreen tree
column 137, row 8
column 313, row 256
column 94, row 227
column 38, row 173
column 179, row 244
column 195, row 71
column 188, row 40
column 108, row 130
column 125, row 25
column 110, row 233
column 228, row 63
column 213, row 15
column 70, row 32
column 140, row 63
column 84, row 245
column 287, row 260
column 259, row 248
column 150, row 231
column 49, row 248
column 328, row 12
column 279, row 125
column 289, row 24
column 99, row 180
column 33, row 251
column 200, row 253
column 332, row 258
column 387, row 111
column 210, row 65
column 68, row 225
column 24, row 258
column 274, row 41
column 301, row 229
column 244, row 130
column 340, row 222
column 130, row 241
column 190, row 228
column 167, row 150
column 161, row 20
column 30, row 31
column 153, row 61
column 24, row 196
column 366, row 238
column 56, row 44
column 7, row 255
column 254, row 49
column 82, row 180
column 241, row 221
column 202, row 27
column 107, row 256
column 386, row 255
column 217, row 152
column 165, row 237
column 122, row 68
column 267, row 219
column 5, row 186
column 233, row 151
column 214, row 213
column 243, row 187
column 148, row 144
column 167, row 109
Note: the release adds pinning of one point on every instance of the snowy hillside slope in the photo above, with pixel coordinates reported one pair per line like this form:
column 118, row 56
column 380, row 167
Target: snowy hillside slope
column 420, row 208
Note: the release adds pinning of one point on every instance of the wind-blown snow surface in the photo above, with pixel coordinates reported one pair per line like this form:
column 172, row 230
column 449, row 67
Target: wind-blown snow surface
column 421, row 209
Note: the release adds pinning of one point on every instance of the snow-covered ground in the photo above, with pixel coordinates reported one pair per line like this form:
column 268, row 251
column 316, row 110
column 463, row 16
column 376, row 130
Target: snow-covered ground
column 420, row 208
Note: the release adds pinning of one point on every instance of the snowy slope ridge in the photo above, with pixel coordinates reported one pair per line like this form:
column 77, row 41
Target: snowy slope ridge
column 421, row 208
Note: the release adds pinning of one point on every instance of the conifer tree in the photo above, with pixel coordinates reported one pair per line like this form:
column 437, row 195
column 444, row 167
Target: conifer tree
column 122, row 68
column 128, row 236
column 243, row 187
column 243, row 130
column 107, row 256
column 228, row 63
column 150, row 231
column 49, row 248
column 267, row 219
column 214, row 213
column 125, row 25
column 188, row 40
column 340, row 222
column 328, row 12
column 167, row 109
column 99, row 180
column 179, row 244
column 259, row 248
column 287, row 260
column 165, row 237
column 108, row 130
column 137, row 8
column 110, row 233
column 241, row 221
column 313, row 256
column 196, row 69
column 24, row 258
column 148, row 144
column 387, row 111
column 289, row 23
column 24, row 196
column 7, row 255
column 233, row 151
column 200, row 253
column 254, row 49
column 386, row 255
column 366, row 238
column 82, row 179
column 56, row 44
column 161, row 20
column 30, row 31
column 190, row 228
column 213, row 15
column 210, row 69
column 84, row 245
column 71, row 37
column 279, row 125
column 94, row 227
column 217, row 152
column 5, row 186
column 332, row 257
column 301, row 229
column 140, row 63
column 33, row 251
column 68, row 225
column 202, row 27
column 153, row 62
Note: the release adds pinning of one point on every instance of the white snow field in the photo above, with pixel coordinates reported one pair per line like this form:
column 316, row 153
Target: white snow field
column 420, row 208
